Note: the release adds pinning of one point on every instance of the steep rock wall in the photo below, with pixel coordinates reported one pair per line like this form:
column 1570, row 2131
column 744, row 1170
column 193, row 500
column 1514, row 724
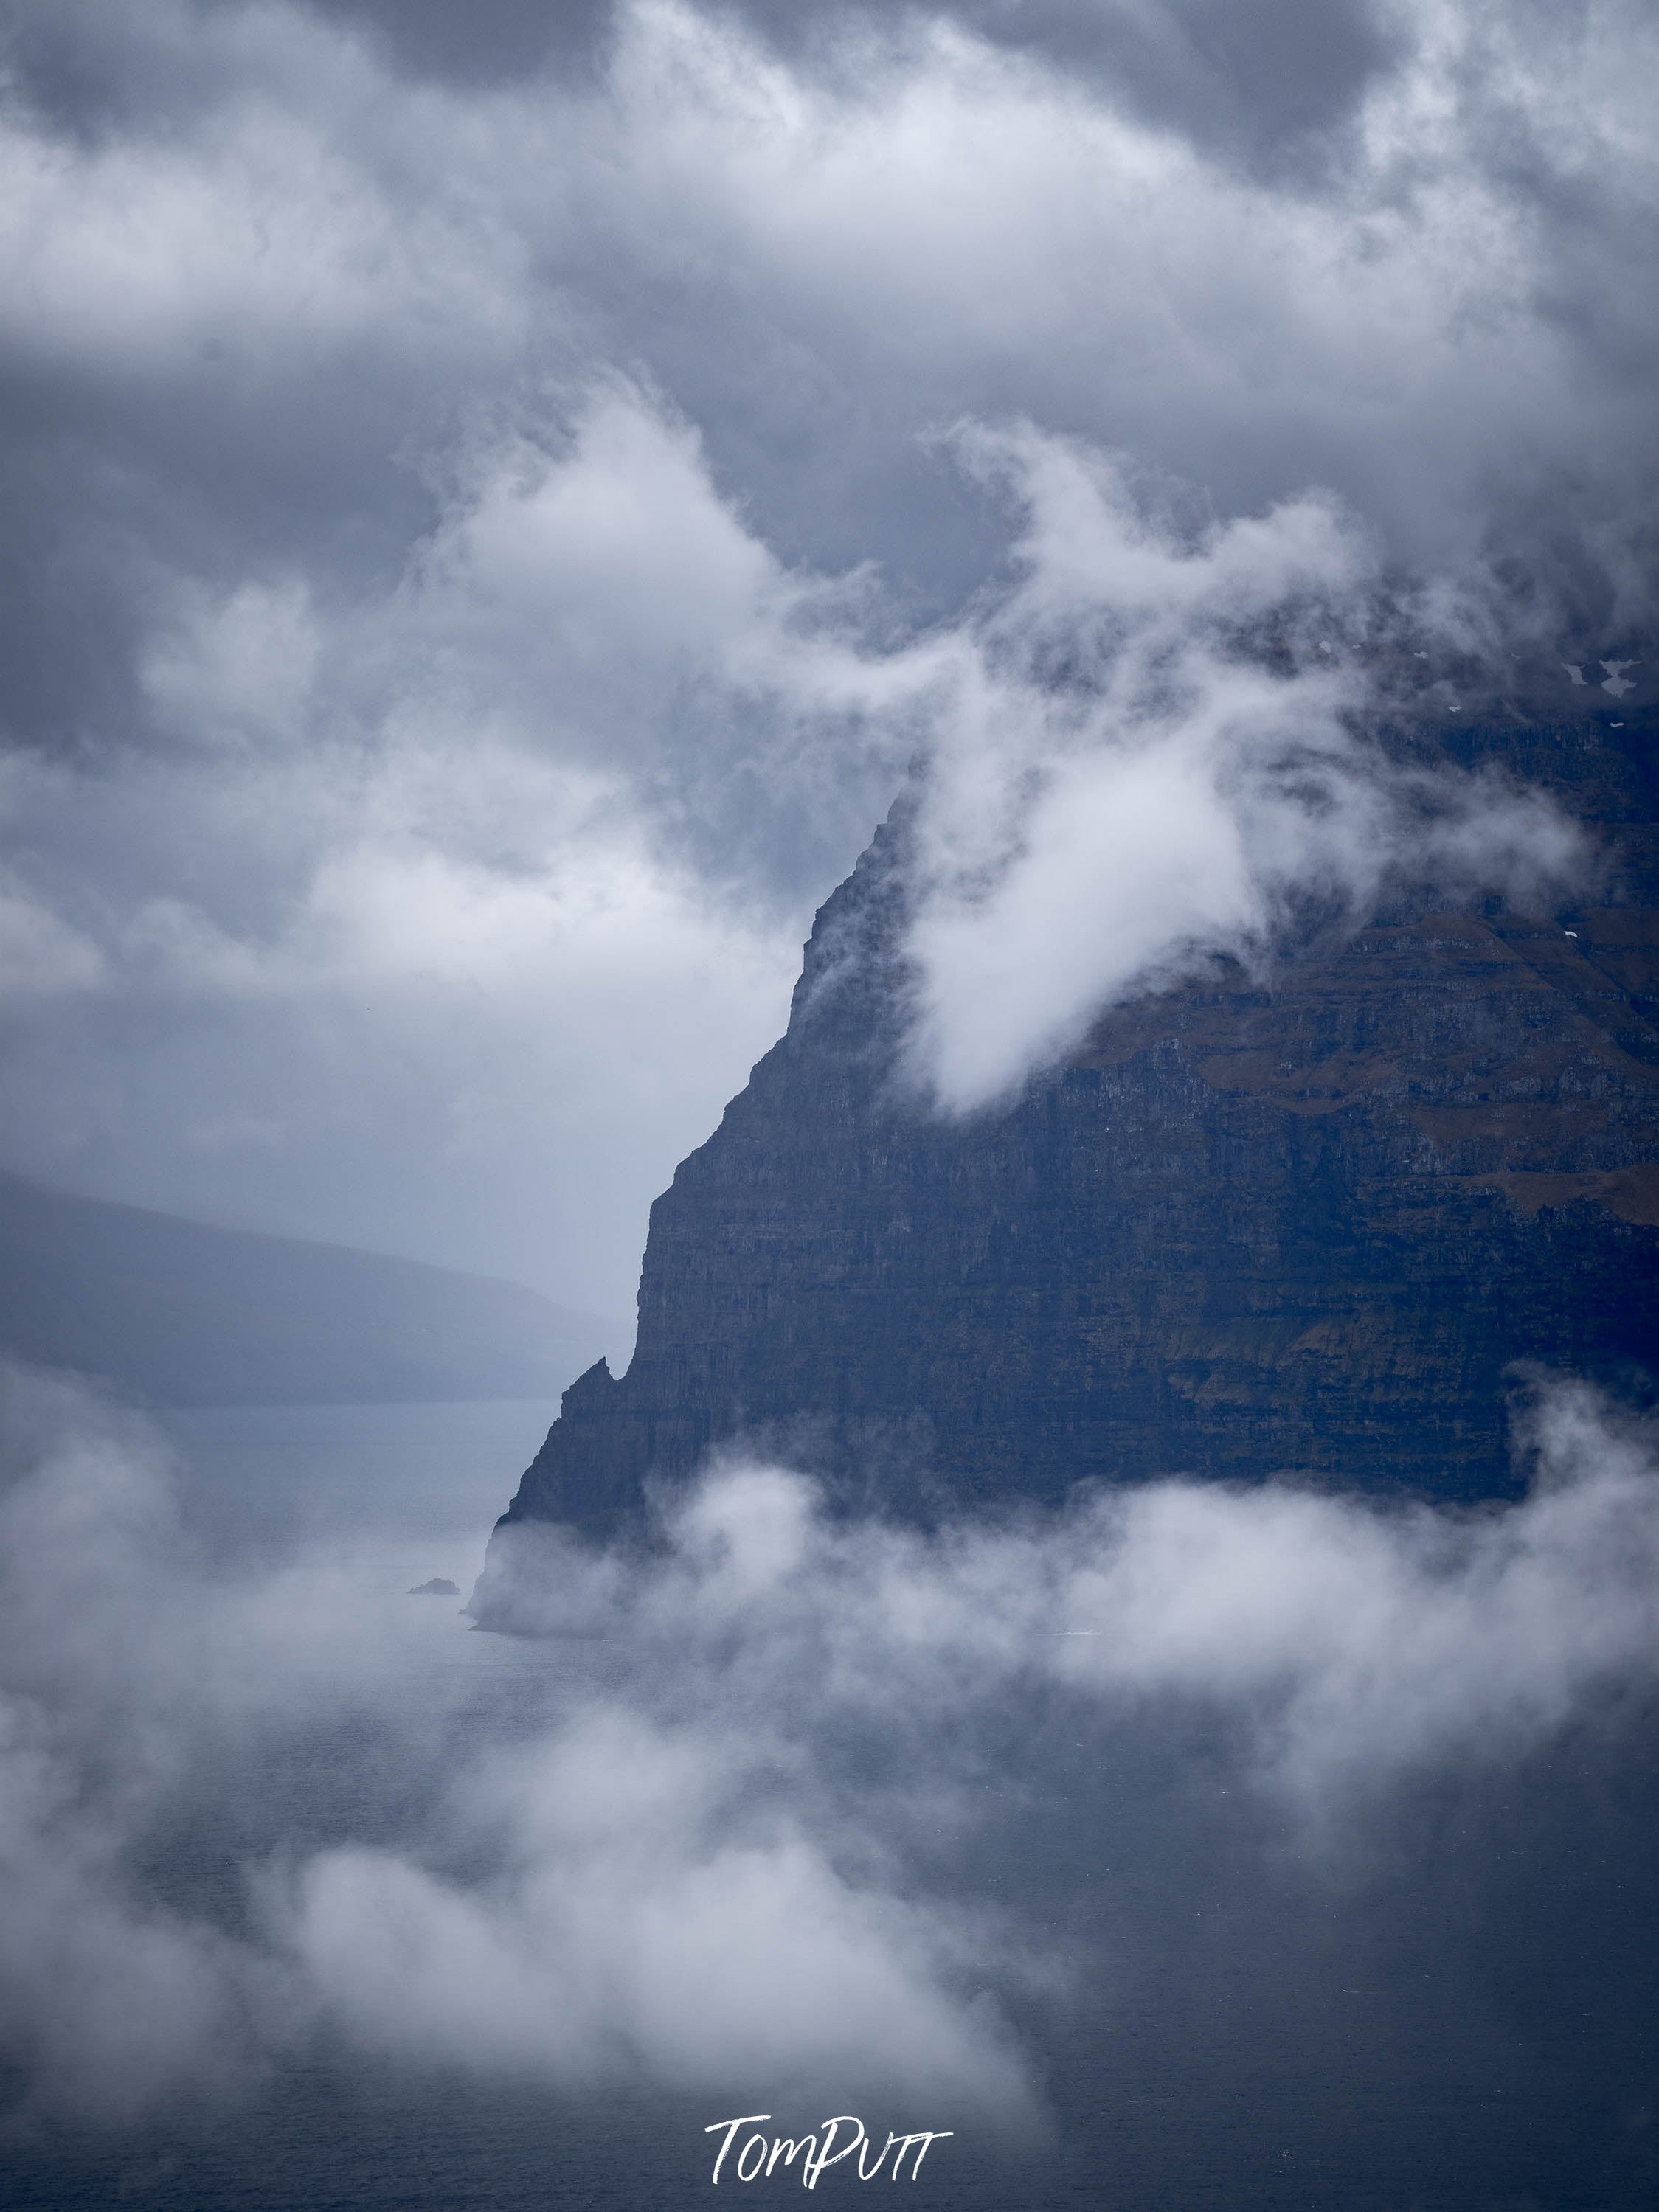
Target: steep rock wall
column 1306, row 1225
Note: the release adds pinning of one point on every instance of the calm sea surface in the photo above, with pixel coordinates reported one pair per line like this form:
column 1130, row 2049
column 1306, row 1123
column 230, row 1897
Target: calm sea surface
column 1466, row 2023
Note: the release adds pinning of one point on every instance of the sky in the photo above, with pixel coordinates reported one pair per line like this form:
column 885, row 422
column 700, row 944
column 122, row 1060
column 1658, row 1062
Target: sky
column 497, row 500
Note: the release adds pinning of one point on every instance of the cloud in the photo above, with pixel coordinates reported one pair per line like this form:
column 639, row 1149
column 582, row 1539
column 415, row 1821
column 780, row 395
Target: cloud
column 821, row 251
column 643, row 1923
column 529, row 794
column 957, row 225
column 633, row 1910
column 1350, row 1640
column 40, row 955
column 737, row 1831
column 235, row 668
column 451, row 490
column 373, row 832
column 263, row 232
column 1153, row 752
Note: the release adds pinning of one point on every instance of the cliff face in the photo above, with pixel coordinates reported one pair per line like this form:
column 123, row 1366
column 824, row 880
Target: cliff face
column 1305, row 1226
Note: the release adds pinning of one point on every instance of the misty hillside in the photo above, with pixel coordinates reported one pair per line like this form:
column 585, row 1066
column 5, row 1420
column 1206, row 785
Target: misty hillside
column 176, row 1313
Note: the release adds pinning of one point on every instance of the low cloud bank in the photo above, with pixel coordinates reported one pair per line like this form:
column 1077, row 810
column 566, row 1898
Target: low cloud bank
column 725, row 1838
column 1349, row 1640
column 612, row 1898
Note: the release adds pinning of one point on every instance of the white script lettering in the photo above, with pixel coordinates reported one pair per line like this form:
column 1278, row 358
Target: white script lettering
column 816, row 2152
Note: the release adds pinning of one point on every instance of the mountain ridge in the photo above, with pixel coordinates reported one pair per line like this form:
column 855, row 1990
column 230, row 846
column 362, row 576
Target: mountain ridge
column 179, row 1312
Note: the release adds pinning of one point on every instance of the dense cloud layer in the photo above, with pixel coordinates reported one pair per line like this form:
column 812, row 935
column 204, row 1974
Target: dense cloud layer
column 488, row 521
column 730, row 1834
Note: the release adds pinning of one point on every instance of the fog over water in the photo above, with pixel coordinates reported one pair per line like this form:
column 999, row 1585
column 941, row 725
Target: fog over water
column 1147, row 1847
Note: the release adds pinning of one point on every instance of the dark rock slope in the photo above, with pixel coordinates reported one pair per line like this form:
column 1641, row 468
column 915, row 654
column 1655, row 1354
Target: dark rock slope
column 1310, row 1224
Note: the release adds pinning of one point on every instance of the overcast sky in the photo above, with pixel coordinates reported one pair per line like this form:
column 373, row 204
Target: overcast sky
column 491, row 493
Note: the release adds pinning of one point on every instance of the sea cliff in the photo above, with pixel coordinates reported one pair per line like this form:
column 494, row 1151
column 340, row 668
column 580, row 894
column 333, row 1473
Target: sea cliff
column 1317, row 1221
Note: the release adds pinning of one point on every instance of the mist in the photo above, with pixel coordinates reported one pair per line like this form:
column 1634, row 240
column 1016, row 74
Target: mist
column 787, row 1807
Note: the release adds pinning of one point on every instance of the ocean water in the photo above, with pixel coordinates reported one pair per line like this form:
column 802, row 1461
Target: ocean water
column 1463, row 2016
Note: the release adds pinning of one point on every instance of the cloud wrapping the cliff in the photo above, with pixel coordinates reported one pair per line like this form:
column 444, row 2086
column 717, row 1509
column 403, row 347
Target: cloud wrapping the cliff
column 1350, row 1640
column 734, row 1843
column 1124, row 785
column 490, row 805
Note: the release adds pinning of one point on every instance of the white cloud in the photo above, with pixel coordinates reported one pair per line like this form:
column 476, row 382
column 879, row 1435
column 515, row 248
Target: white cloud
column 972, row 221
column 40, row 953
column 506, row 801
column 611, row 561
column 634, row 1909
column 269, row 225
column 1352, row 1641
column 239, row 668
column 1124, row 784
column 415, row 840
column 735, row 1841
column 643, row 1925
